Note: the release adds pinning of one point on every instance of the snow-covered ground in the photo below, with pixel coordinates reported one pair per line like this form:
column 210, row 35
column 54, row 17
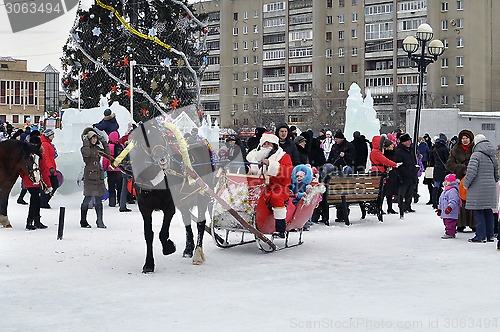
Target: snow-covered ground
column 397, row 275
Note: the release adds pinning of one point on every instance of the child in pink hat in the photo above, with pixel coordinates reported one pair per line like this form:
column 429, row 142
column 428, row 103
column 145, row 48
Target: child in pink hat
column 449, row 206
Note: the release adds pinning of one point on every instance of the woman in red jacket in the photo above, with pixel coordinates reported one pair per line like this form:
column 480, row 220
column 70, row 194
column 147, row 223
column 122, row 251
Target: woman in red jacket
column 35, row 190
column 49, row 154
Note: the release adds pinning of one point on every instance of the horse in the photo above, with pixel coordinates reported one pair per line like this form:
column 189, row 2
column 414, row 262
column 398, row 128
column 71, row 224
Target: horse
column 161, row 184
column 16, row 156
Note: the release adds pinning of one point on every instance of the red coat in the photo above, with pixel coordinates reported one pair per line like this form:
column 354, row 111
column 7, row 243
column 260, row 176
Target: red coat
column 49, row 153
column 277, row 192
column 44, row 171
column 377, row 158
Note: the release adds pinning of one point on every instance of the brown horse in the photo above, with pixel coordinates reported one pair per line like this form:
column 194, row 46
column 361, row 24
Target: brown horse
column 15, row 156
column 161, row 184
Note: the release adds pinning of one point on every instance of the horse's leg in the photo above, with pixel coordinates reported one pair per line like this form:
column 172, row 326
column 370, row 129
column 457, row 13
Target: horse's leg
column 4, row 220
column 186, row 218
column 149, row 265
column 168, row 214
column 199, row 256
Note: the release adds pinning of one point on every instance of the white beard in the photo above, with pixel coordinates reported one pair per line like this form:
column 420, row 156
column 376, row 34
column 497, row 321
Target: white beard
column 257, row 155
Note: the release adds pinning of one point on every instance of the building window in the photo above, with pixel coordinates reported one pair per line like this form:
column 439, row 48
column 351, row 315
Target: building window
column 355, row 16
column 354, row 51
column 460, row 4
column 460, row 80
column 354, row 2
column 235, row 60
column 444, row 100
column 460, row 61
column 444, row 62
column 235, row 46
column 255, row 59
column 460, row 42
column 255, row 75
column 235, row 31
column 255, row 28
column 328, row 87
column 329, row 3
column 341, row 3
column 245, row 30
column 487, row 126
column 15, row 118
column 255, row 44
column 245, row 45
column 460, row 99
column 445, row 42
column 245, row 93
column 341, row 52
column 460, row 23
column 235, row 91
column 235, row 122
column 3, row 92
column 444, row 24
column 17, row 92
column 255, row 13
column 235, row 76
column 329, row 70
column 341, row 35
column 235, row 16
column 245, row 120
column 245, row 76
column 354, row 68
column 341, row 18
column 245, row 15
column 341, row 86
column 329, row 20
column 272, row 7
column 255, row 90
column 444, row 80
column 329, row 52
column 354, row 34
column 444, row 6
column 245, row 60
column 341, row 69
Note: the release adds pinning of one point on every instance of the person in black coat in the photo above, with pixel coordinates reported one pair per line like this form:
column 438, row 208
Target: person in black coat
column 300, row 142
column 253, row 142
column 361, row 146
column 407, row 174
column 439, row 157
column 108, row 123
column 283, row 133
column 391, row 181
column 236, row 153
column 314, row 151
column 342, row 153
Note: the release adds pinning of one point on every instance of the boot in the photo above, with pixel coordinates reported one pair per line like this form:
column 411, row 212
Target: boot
column 99, row 222
column 29, row 224
column 390, row 210
column 280, row 228
column 83, row 216
column 38, row 224
column 435, row 197
column 20, row 199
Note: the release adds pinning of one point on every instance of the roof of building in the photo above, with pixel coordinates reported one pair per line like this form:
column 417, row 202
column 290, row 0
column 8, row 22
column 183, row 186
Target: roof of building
column 49, row 69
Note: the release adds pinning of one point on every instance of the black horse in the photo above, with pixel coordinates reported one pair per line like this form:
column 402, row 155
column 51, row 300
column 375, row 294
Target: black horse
column 16, row 156
column 162, row 184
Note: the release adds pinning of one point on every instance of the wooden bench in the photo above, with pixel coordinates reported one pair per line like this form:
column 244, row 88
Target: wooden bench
column 364, row 189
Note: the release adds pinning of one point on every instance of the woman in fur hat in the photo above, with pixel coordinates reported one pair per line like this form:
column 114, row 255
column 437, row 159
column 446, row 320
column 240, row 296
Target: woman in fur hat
column 457, row 164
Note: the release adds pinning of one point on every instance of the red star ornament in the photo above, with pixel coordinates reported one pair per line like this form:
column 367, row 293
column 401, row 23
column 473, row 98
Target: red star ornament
column 200, row 112
column 174, row 104
column 114, row 89
column 128, row 93
column 125, row 61
column 84, row 76
column 144, row 111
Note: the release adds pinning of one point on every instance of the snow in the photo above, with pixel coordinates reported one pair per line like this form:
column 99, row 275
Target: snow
column 397, row 275
column 360, row 114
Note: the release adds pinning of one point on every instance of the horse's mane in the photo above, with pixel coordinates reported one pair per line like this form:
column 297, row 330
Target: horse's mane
column 24, row 149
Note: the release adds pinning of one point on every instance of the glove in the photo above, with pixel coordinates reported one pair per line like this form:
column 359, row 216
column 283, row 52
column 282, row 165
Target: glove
column 438, row 212
column 49, row 191
column 448, row 210
column 417, row 166
column 398, row 164
column 52, row 171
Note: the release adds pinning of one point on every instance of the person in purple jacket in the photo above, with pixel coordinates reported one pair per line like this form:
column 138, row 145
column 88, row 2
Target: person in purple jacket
column 448, row 206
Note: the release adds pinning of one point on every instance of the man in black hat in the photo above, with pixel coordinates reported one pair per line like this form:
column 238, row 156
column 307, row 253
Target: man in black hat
column 342, row 153
column 407, row 174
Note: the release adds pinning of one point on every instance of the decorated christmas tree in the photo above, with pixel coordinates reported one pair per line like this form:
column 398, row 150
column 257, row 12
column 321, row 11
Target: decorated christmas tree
column 162, row 37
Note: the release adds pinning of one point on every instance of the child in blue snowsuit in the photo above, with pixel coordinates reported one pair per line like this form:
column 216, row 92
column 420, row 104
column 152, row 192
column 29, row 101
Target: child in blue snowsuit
column 301, row 179
column 449, row 206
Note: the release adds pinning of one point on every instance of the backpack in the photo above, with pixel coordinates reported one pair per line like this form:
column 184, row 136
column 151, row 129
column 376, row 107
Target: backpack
column 117, row 150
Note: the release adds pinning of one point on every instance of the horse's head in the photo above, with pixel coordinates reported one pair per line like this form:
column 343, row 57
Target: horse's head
column 30, row 157
column 161, row 156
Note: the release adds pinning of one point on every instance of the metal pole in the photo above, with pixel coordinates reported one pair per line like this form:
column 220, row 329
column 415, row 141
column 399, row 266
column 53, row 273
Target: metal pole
column 421, row 70
column 79, row 91
column 132, row 63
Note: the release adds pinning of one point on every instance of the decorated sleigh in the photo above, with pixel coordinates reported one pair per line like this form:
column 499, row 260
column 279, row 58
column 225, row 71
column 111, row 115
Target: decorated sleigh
column 246, row 218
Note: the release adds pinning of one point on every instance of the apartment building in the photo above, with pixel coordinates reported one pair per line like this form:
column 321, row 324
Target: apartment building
column 272, row 61
column 26, row 94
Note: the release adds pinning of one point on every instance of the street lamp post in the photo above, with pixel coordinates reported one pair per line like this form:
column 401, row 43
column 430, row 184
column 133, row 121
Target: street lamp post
column 434, row 48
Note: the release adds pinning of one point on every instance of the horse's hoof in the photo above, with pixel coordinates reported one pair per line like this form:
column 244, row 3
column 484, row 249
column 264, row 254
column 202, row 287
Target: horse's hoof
column 8, row 226
column 148, row 269
column 199, row 256
column 187, row 254
column 168, row 247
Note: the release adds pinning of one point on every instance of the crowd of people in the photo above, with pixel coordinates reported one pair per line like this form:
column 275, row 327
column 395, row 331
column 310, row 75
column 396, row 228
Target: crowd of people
column 461, row 174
